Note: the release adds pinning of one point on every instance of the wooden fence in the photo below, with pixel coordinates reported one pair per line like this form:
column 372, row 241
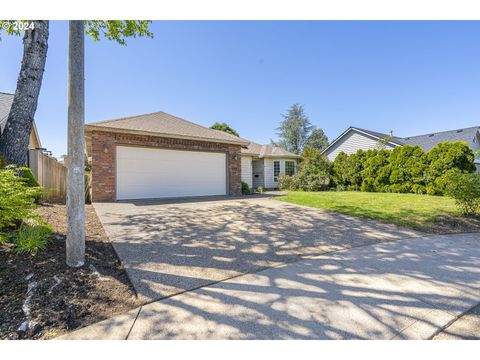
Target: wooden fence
column 51, row 175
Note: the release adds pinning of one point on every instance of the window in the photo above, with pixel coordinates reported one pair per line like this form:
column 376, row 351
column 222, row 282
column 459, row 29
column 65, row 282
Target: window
column 276, row 170
column 289, row 168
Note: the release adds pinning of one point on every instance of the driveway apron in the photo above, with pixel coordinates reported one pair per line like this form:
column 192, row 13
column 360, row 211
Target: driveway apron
column 168, row 248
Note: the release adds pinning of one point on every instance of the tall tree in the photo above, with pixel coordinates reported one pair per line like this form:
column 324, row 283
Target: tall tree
column 294, row 129
column 14, row 141
column 15, row 137
column 225, row 128
column 317, row 139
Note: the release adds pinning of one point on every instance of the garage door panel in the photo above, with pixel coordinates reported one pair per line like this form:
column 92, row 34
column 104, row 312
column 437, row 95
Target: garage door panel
column 157, row 173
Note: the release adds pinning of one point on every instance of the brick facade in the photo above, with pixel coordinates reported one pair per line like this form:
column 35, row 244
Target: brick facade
column 104, row 152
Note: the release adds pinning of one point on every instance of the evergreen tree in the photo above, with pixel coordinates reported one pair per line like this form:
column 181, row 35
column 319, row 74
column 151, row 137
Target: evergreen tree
column 317, row 139
column 294, row 130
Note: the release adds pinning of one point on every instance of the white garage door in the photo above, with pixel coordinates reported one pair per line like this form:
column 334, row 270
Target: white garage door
column 149, row 173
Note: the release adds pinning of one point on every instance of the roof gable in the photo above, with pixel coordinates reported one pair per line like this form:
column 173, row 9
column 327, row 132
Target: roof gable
column 394, row 141
column 163, row 124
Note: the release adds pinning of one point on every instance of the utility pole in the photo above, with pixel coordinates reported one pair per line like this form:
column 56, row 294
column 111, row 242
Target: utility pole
column 76, row 161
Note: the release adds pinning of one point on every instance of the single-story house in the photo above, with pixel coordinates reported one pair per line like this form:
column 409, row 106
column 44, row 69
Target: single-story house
column 159, row 155
column 354, row 139
column 6, row 101
column 262, row 165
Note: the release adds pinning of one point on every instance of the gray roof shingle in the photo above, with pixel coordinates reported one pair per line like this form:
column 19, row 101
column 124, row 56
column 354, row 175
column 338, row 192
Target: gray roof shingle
column 267, row 151
column 163, row 124
column 395, row 139
column 5, row 105
column 428, row 141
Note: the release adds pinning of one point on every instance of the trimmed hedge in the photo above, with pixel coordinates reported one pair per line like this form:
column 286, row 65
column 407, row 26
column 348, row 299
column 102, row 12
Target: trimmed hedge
column 405, row 169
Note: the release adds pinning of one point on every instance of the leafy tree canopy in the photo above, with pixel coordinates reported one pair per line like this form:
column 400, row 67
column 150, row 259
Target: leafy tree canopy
column 317, row 139
column 225, row 128
column 116, row 30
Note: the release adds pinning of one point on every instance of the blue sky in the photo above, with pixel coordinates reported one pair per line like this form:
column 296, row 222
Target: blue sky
column 409, row 77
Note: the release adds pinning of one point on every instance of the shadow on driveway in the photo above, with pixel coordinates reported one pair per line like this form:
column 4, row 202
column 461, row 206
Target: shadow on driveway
column 170, row 248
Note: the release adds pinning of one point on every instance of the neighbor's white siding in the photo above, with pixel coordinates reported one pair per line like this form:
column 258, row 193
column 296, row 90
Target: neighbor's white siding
column 247, row 170
column 268, row 170
column 351, row 143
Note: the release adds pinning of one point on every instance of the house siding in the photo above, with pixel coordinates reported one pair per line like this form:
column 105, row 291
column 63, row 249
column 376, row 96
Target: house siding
column 104, row 159
column 247, row 170
column 351, row 143
column 33, row 141
column 268, row 168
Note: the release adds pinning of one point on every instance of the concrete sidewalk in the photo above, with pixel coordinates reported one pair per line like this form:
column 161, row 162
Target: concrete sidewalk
column 406, row 289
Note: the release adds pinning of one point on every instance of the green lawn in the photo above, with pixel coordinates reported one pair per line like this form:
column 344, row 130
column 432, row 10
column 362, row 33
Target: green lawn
column 420, row 212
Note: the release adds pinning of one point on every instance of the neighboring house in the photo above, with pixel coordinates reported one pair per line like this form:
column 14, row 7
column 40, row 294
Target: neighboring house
column 262, row 165
column 354, row 139
column 5, row 105
column 159, row 155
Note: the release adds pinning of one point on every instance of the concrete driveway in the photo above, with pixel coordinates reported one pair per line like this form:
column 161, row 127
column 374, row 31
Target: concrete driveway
column 406, row 289
column 171, row 247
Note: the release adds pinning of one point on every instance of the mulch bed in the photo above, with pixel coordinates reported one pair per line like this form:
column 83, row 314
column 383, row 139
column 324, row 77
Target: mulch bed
column 448, row 224
column 65, row 298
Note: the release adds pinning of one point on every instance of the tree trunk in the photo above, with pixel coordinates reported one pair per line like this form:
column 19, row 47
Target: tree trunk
column 16, row 136
column 76, row 161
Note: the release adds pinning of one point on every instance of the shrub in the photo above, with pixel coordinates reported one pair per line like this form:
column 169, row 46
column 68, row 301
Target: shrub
column 245, row 188
column 339, row 169
column 374, row 176
column 30, row 238
column 348, row 169
column 445, row 158
column 419, row 189
column 465, row 190
column 259, row 190
column 407, row 165
column 314, row 173
column 17, row 200
column 287, row 182
column 405, row 169
column 28, row 177
column 30, row 181
column 3, row 163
